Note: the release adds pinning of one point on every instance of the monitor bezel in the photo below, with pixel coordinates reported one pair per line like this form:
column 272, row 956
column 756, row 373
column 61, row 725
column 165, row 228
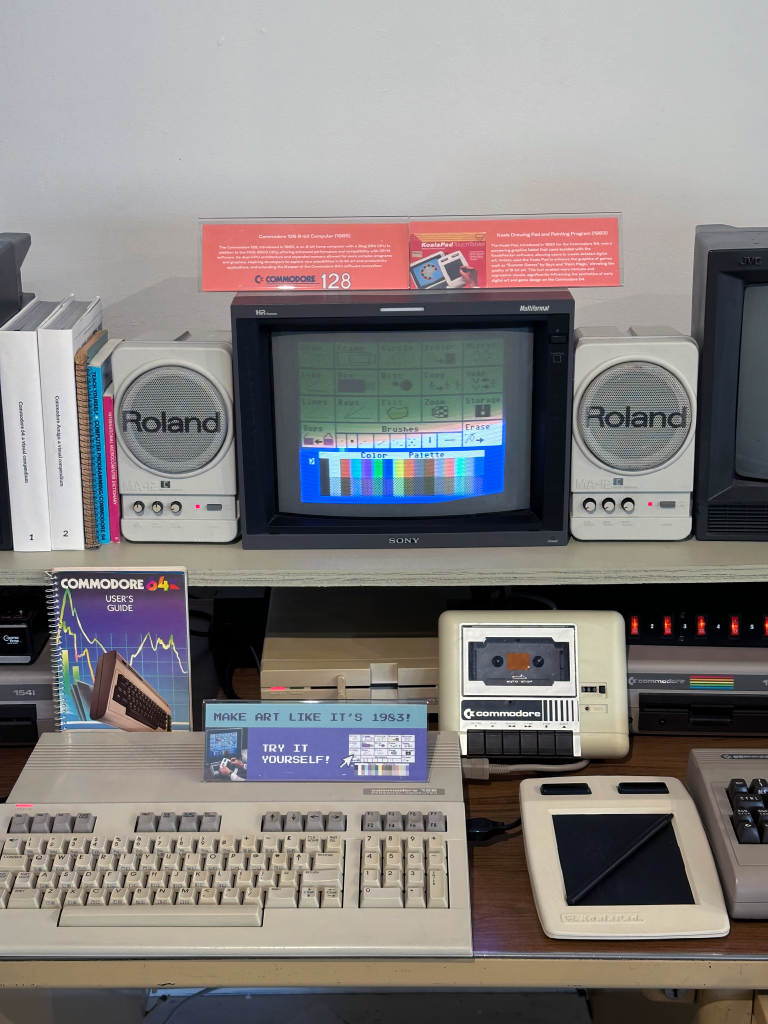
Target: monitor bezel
column 545, row 521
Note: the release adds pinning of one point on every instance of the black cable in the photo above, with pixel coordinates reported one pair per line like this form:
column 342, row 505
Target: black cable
column 480, row 829
column 182, row 1002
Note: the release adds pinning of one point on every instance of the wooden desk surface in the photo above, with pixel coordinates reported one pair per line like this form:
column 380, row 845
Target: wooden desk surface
column 511, row 950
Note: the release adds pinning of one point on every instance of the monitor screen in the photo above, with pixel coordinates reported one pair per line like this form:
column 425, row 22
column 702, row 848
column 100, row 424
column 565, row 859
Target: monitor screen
column 751, row 409
column 403, row 423
column 222, row 744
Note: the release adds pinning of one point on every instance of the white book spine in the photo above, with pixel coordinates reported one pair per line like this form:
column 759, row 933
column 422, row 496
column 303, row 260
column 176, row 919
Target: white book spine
column 24, row 440
column 56, row 350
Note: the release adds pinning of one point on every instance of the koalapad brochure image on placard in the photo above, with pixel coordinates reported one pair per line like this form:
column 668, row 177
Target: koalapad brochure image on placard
column 120, row 643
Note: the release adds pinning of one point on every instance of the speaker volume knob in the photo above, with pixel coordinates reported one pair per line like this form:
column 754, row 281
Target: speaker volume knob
column 175, row 507
column 157, row 507
column 608, row 504
column 628, row 505
column 138, row 507
column 589, row 504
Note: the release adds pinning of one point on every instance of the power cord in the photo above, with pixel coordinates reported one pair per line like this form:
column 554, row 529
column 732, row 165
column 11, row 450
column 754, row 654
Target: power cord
column 480, row 768
column 480, row 829
column 182, row 1002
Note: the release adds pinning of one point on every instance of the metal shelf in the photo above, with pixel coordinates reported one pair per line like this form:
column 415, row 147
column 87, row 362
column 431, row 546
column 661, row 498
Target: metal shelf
column 220, row 565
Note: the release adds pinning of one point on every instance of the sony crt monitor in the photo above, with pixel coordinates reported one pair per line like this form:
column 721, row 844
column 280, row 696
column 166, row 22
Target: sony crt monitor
column 730, row 324
column 430, row 419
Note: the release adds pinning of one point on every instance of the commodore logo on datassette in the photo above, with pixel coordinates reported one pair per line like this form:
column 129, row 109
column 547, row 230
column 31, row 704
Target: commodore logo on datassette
column 175, row 437
column 634, row 421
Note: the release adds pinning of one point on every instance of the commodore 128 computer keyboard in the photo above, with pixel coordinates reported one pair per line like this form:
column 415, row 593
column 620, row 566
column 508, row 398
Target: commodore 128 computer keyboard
column 111, row 846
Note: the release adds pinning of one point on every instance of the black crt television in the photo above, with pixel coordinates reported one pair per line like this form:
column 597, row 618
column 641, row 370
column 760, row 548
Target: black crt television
column 385, row 419
column 730, row 325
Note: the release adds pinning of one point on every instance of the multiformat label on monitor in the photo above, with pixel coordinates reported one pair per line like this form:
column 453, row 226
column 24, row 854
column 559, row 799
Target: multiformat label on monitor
column 310, row 741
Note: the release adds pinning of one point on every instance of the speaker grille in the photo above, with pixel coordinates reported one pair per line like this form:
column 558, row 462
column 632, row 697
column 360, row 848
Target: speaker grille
column 173, row 420
column 747, row 519
column 634, row 416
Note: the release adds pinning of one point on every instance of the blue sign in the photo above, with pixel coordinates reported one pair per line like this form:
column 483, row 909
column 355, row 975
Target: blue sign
column 309, row 741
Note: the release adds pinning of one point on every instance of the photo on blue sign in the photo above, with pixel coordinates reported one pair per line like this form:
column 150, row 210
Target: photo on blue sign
column 311, row 741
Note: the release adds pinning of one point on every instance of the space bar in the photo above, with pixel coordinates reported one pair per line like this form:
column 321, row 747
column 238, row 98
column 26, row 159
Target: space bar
column 161, row 917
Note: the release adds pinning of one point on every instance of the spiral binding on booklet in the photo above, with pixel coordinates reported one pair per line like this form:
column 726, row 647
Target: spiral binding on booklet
column 54, row 611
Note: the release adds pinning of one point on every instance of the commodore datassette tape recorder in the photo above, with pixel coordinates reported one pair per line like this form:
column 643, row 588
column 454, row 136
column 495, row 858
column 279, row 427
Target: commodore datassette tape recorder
column 634, row 421
column 521, row 686
column 175, row 431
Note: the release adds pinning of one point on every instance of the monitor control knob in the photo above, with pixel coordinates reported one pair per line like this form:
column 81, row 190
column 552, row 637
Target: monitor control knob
column 589, row 504
column 538, row 661
column 157, row 507
column 609, row 505
column 498, row 661
column 175, row 507
column 138, row 507
column 628, row 505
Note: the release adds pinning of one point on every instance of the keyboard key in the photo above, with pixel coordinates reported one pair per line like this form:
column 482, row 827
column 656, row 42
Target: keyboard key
column 736, row 786
column 24, row 880
column 75, row 898
column 371, row 821
column 121, row 845
column 4, row 896
column 91, row 880
column 300, row 861
column 249, row 844
column 435, row 821
column 189, row 822
column 14, row 862
column 35, row 844
column 62, row 862
column 267, row 879
column 371, row 843
column 415, row 878
column 236, row 861
column 414, row 897
column 371, row 897
column 163, row 916
column 149, row 862
column 415, row 822
column 372, row 860
column 185, row 844
column 320, row 879
column 179, row 880
column 211, row 822
column 141, row 844
column 257, row 861
column 164, row 897
column 280, row 861
column 337, row 821
column 84, row 862
column 53, row 899
column 106, row 862
column 57, row 844
column 135, row 880
column 169, row 822
column 207, row 844
column 315, row 822
column 15, row 847
column 42, row 822
column 746, row 832
column 392, row 859
column 127, row 862
column 334, row 842
column 84, row 822
column 186, row 897
column 435, row 843
column 223, row 879
column 25, row 899
column 313, row 844
column 231, row 897
column 19, row 823
column 143, row 897
column 437, row 889
column 289, row 880
column 436, row 859
column 146, row 822
column 747, row 802
column 6, row 880
column 101, row 844
column 114, row 880
column 214, row 861
column 253, row 898
column 62, row 822
column 414, row 859
column 271, row 844
column 41, row 862
column 165, row 843
column 202, row 879
column 393, row 822
column 331, row 897
column 272, row 822
column 245, row 880
column 294, row 822
column 228, row 845
column 293, row 843
column 281, row 899
column 392, row 878
column 759, row 786
column 309, row 897
column 208, row 897
column 372, row 877
column 45, row 880
column 121, row 897
column 97, row 898
column 77, row 845
column 192, row 861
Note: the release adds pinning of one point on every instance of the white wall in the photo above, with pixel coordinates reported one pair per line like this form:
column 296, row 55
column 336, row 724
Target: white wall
column 123, row 121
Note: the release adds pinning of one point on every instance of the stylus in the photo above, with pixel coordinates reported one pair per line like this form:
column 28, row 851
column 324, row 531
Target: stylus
column 576, row 897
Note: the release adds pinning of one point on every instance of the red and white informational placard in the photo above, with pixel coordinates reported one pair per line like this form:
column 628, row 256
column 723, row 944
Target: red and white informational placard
column 270, row 257
column 545, row 252
column 578, row 251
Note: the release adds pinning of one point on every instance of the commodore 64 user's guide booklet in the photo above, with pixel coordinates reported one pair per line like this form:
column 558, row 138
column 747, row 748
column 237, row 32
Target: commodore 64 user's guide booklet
column 120, row 645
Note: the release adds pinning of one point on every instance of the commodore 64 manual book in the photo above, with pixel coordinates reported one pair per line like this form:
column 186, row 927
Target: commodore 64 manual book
column 120, row 649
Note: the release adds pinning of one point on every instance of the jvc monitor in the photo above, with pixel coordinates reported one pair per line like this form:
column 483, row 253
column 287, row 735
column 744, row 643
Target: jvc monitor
column 436, row 419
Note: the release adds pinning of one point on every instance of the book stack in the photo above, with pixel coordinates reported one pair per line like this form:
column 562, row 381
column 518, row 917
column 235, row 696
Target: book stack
column 58, row 489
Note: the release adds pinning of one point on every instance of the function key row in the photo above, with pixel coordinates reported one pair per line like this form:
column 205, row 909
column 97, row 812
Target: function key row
column 296, row 821
column 410, row 821
column 170, row 821
column 44, row 823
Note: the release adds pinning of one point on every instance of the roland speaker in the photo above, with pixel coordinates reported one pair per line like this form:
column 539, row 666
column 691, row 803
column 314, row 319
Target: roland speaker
column 634, row 421
column 175, row 437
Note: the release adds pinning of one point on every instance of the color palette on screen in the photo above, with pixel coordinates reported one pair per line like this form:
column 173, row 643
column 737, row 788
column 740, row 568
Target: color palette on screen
column 457, row 476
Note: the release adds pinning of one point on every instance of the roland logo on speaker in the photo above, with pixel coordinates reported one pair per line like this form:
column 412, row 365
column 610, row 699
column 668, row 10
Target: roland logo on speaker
column 638, row 418
column 164, row 423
